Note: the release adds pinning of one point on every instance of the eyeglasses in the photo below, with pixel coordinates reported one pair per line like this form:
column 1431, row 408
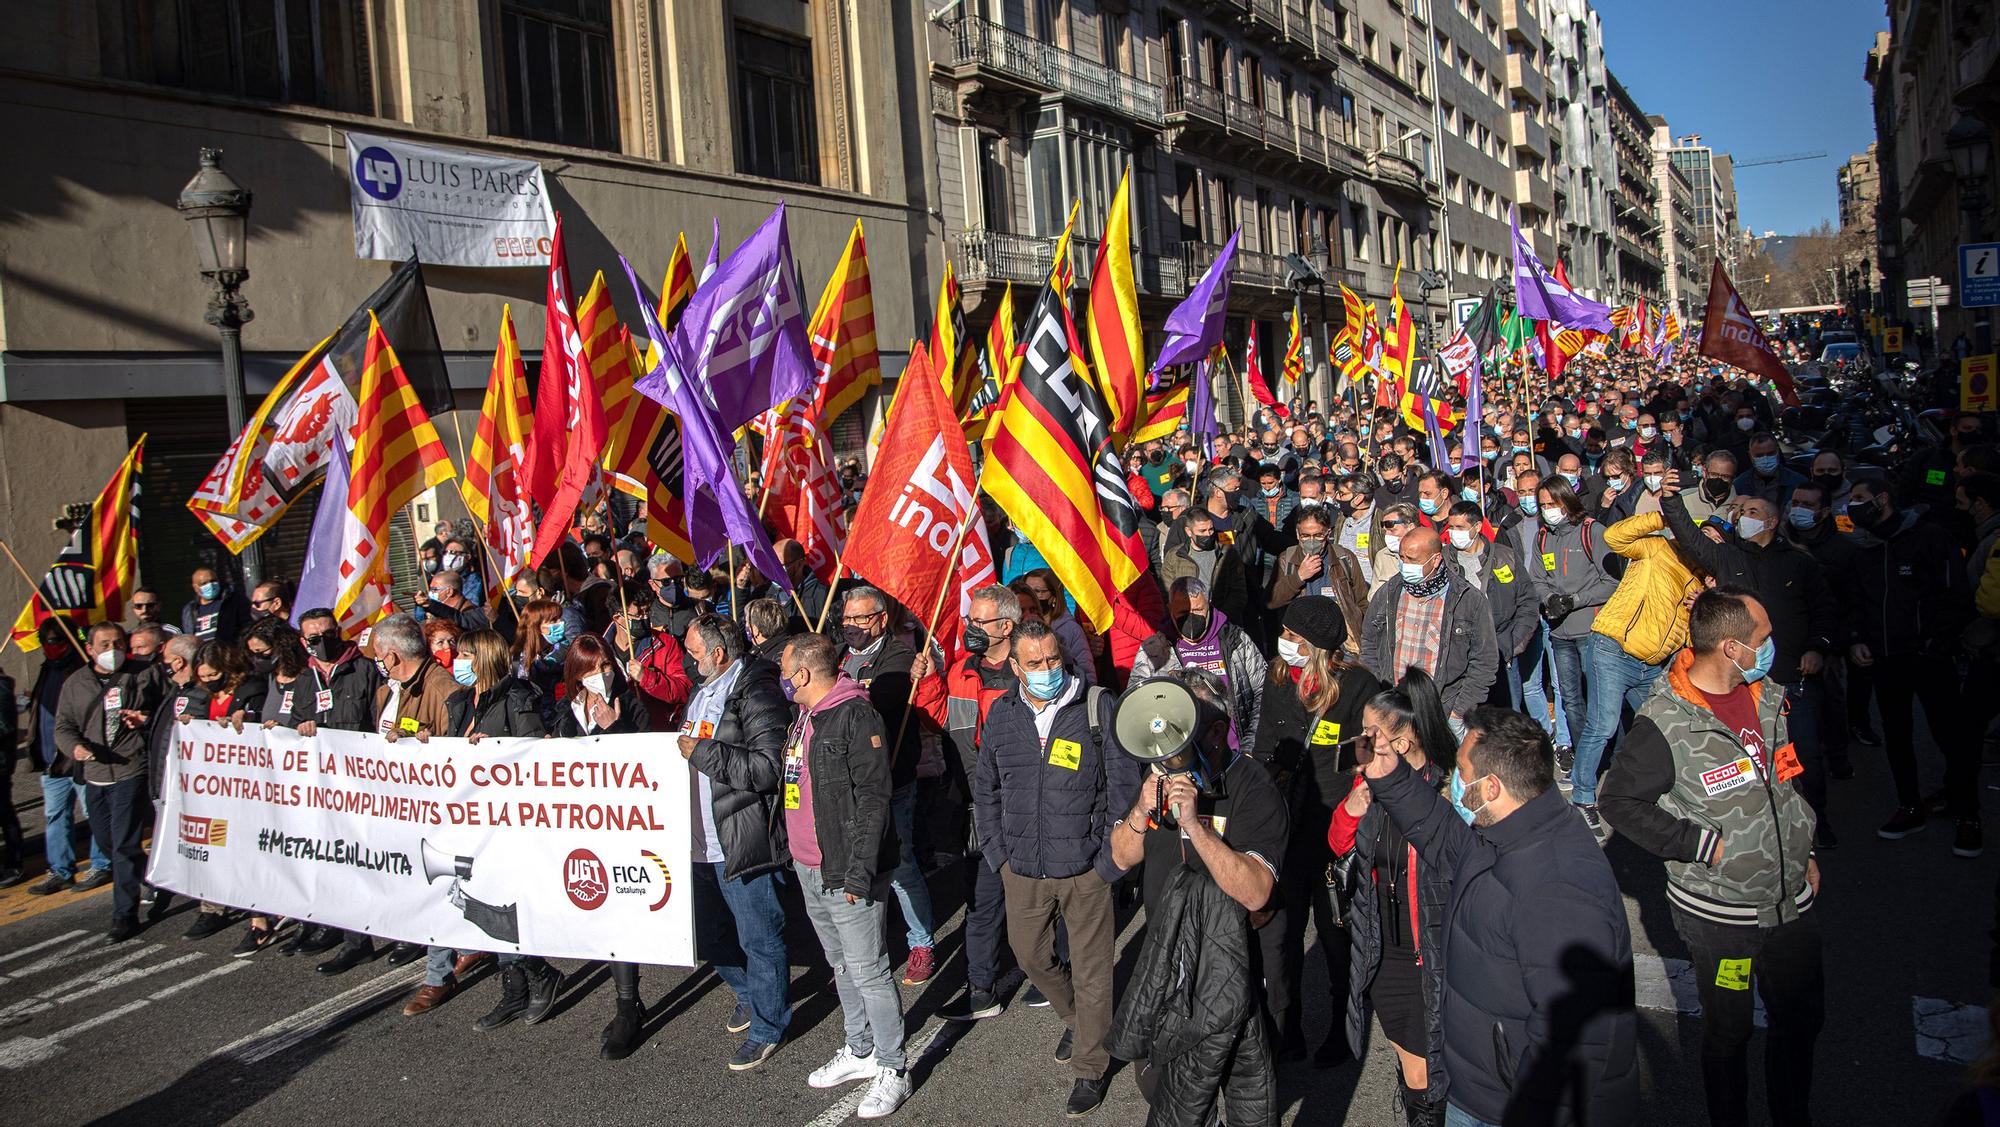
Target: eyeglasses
column 1395, row 524
column 860, row 619
column 983, row 623
column 272, row 600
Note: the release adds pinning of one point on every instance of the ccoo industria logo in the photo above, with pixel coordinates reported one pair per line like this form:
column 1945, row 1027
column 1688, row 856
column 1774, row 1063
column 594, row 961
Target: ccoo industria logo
column 199, row 834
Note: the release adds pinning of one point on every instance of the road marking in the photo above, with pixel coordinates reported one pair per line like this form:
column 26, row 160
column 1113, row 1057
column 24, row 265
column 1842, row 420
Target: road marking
column 338, row 1010
column 915, row 1058
column 57, row 996
column 73, row 957
column 84, row 979
column 43, row 945
column 20, row 1052
column 1947, row 1031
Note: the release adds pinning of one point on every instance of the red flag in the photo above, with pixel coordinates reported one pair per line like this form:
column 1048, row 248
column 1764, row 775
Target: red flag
column 1730, row 334
column 804, row 499
column 601, row 360
column 1254, row 372
column 902, row 536
column 562, row 358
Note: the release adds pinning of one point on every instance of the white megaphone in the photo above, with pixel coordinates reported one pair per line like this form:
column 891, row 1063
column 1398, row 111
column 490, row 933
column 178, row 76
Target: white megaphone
column 437, row 863
column 1161, row 723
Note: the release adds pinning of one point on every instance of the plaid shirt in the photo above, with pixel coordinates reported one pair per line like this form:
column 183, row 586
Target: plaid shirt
column 1418, row 624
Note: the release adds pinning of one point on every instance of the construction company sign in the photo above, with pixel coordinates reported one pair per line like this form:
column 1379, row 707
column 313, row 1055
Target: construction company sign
column 446, row 206
column 569, row 848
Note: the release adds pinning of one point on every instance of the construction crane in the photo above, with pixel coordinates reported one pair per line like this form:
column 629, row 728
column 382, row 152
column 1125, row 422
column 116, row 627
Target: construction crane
column 1786, row 159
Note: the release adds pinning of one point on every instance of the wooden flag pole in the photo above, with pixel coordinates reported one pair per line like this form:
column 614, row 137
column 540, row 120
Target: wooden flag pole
column 35, row 595
column 485, row 529
column 735, row 604
column 839, row 567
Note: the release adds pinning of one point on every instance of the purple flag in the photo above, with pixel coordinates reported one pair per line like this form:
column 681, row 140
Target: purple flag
column 744, row 332
column 1201, row 411
column 717, row 512
column 1475, row 406
column 319, row 574
column 1195, row 325
column 1539, row 295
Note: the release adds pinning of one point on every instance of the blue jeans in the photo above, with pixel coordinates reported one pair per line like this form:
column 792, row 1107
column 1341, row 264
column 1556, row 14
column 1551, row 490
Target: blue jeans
column 439, row 963
column 1572, row 661
column 1616, row 680
column 1533, row 698
column 1454, row 1116
column 750, row 957
column 1807, row 724
column 913, row 895
column 59, row 795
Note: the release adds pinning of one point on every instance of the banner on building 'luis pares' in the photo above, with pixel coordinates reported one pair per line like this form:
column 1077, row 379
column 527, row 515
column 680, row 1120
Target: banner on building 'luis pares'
column 568, row 848
column 446, row 207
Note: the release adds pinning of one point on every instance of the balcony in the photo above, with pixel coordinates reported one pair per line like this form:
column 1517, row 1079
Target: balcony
column 981, row 48
column 1394, row 170
column 1518, row 18
column 1327, row 43
column 1252, row 268
column 1529, row 135
column 1191, row 102
column 1298, row 24
column 1532, row 192
column 1267, row 15
column 983, row 257
column 1976, row 70
column 1639, row 252
column 1524, row 79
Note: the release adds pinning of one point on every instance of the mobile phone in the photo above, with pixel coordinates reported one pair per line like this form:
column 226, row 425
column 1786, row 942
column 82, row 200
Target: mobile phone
column 1354, row 751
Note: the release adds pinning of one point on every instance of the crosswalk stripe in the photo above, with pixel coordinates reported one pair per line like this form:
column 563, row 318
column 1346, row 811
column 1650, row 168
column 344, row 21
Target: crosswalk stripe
column 914, row 1058
column 84, row 979
column 20, row 1052
column 42, row 946
column 49, row 999
column 286, row 1032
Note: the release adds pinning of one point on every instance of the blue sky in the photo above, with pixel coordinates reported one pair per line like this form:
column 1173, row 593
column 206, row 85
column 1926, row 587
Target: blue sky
column 1755, row 78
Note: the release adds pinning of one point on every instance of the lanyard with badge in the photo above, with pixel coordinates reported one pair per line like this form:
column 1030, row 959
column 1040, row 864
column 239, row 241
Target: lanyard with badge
column 322, row 695
column 114, row 700
column 795, row 762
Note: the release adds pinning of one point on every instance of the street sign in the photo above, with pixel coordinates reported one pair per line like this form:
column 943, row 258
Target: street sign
column 1892, row 341
column 1978, row 275
column 1462, row 309
column 1927, row 293
column 1975, row 383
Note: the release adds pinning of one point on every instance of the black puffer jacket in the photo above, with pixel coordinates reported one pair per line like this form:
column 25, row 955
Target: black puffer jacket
column 512, row 707
column 1191, row 1012
column 1786, row 578
column 353, row 682
column 1045, row 809
column 849, row 767
column 1906, row 590
column 744, row 762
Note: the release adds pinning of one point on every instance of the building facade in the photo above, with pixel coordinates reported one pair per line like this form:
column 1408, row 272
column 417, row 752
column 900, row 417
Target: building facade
column 1482, row 136
column 1683, row 262
column 1859, row 185
column 1583, row 161
column 649, row 117
column 1712, row 177
column 1641, row 269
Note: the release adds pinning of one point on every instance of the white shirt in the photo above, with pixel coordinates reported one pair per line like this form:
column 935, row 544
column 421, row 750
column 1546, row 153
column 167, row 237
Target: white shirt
column 387, row 720
column 706, row 707
column 1045, row 714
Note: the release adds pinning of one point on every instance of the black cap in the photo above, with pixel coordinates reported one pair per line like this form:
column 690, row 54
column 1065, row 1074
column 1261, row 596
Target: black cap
column 1318, row 620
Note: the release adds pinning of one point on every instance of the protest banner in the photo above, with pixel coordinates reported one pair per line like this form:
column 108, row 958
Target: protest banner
column 569, row 848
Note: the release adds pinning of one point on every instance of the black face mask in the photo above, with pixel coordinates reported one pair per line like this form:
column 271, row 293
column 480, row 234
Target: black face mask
column 1868, row 518
column 1715, row 489
column 262, row 666
column 1202, row 543
column 326, row 646
column 1829, row 482
column 1193, row 626
column 212, row 684
column 977, row 640
column 1155, row 458
column 638, row 627
column 857, row 638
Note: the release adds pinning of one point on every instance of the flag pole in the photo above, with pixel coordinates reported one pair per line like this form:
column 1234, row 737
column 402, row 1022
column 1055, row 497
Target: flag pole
column 838, row 567
column 937, row 607
column 735, row 607
column 35, row 595
column 485, row 530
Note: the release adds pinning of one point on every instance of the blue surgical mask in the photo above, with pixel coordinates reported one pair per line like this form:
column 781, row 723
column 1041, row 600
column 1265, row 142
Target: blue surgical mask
column 1046, row 684
column 1458, row 798
column 1766, row 654
column 209, row 591
column 1574, row 479
column 1530, row 506
column 461, row 670
column 554, row 632
column 1429, row 505
column 1765, row 463
column 1273, row 490
column 1803, row 518
column 1470, row 493
column 1411, row 572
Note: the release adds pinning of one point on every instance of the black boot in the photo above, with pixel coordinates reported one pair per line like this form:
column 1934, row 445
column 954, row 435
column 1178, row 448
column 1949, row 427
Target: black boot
column 622, row 1035
column 513, row 999
column 543, row 982
column 1418, row 1111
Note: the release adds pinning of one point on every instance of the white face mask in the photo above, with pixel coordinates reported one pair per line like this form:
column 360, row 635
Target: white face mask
column 1392, row 541
column 1411, row 572
column 1654, row 481
column 1461, row 538
column 595, row 683
column 109, row 660
column 1293, row 653
column 1553, row 517
column 453, row 561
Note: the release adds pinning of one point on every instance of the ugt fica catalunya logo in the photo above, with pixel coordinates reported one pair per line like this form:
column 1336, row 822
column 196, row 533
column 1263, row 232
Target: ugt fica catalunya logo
column 589, row 882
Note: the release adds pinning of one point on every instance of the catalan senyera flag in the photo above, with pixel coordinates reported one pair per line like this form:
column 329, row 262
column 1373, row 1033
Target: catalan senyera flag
column 1051, row 467
column 637, row 428
column 1166, row 411
column 1670, row 326
column 1000, row 354
column 677, row 288
column 842, row 336
column 95, row 572
column 602, row 370
column 1117, row 346
column 1292, row 366
column 1062, row 271
column 495, row 486
column 1399, row 342
column 397, row 455
column 951, row 350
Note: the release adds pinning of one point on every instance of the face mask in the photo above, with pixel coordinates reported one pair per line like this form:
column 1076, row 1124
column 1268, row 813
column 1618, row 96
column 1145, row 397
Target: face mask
column 382, row 667
column 1649, row 433
column 1191, row 467
column 856, row 637
column 109, row 660
column 1574, row 479
column 1766, row 464
column 1232, row 497
column 1461, row 538
column 1530, row 506
column 1746, row 424
column 1766, row 654
column 977, row 640
column 1411, row 572
column 1489, row 455
column 1391, row 541
column 325, row 646
column 1829, row 482
column 1203, row 543
column 1803, row 518
column 212, row 684
column 1312, row 547
column 461, row 671
column 1192, row 626
column 1654, row 481
column 262, row 665
column 1576, row 432
column 430, row 566
column 453, row 561
column 1046, row 684
column 1458, row 789
column 1470, row 493
column 209, row 592
column 1862, row 513
column 1272, row 490
column 1554, row 518
column 1293, row 653
column 1429, row 505
column 786, row 687
column 595, row 683
column 1749, row 528
column 1631, row 424
column 1715, row 489
column 554, row 631
column 1615, row 484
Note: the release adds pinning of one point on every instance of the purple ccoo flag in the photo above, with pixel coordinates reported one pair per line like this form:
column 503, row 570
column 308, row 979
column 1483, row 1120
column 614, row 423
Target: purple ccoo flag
column 1201, row 410
column 744, row 332
column 717, row 512
column 1539, row 295
column 1475, row 406
column 1195, row 325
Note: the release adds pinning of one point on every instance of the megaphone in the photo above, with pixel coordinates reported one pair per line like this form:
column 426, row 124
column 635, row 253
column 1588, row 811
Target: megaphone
column 437, row 863
column 1161, row 723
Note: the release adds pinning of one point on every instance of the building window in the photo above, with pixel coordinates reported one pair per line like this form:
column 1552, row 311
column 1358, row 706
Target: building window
column 777, row 134
column 307, row 52
column 996, row 208
column 556, row 74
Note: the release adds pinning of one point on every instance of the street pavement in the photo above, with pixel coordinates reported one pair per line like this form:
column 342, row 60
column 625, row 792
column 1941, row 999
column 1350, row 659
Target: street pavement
column 161, row 1030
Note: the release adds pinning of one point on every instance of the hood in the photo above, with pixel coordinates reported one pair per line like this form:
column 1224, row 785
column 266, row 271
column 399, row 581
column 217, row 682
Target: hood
column 844, row 689
column 1902, row 522
column 1677, row 686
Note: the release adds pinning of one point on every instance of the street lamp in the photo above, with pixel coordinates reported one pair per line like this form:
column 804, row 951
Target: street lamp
column 1971, row 149
column 217, row 210
column 1301, row 276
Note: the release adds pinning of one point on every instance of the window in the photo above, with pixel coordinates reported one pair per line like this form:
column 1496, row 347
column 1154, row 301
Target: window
column 307, row 52
column 1368, row 43
column 1396, row 60
column 996, row 208
column 777, row 134
column 1346, row 102
column 1187, row 203
column 554, row 69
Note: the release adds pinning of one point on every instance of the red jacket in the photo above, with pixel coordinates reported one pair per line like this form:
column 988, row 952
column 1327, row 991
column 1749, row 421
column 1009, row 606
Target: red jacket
column 663, row 678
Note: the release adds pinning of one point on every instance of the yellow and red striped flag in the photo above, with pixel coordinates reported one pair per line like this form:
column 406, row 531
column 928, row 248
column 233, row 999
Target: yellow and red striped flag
column 1292, row 368
column 98, row 568
column 1166, row 411
column 677, row 289
column 1399, row 343
column 842, row 335
column 1062, row 271
column 397, row 455
column 1118, row 348
column 1001, row 355
column 951, row 350
column 495, row 487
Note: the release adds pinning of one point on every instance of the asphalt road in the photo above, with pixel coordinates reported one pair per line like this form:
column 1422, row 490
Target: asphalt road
column 162, row 1030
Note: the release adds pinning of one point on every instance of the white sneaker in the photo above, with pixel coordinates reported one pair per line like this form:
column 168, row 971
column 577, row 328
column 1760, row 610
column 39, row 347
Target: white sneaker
column 885, row 1095
column 844, row 1068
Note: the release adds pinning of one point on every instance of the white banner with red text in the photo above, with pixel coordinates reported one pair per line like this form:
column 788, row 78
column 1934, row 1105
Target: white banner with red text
column 569, row 848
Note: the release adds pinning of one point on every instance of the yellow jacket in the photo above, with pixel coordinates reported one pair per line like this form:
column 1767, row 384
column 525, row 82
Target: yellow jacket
column 1647, row 615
